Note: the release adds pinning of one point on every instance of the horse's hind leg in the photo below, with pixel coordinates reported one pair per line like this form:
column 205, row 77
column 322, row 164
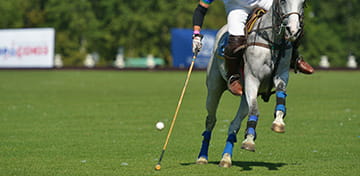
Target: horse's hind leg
column 216, row 85
column 233, row 130
column 250, row 134
column 211, row 105
column 203, row 154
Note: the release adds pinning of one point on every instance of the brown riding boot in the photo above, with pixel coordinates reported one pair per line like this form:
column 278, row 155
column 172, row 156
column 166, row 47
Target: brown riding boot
column 303, row 66
column 299, row 64
column 233, row 59
column 234, row 85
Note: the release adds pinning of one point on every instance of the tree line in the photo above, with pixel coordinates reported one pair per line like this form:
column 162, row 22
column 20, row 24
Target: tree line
column 143, row 27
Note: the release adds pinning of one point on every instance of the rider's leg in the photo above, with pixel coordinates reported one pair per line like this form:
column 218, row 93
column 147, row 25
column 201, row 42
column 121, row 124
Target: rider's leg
column 299, row 64
column 297, row 61
column 233, row 58
column 234, row 49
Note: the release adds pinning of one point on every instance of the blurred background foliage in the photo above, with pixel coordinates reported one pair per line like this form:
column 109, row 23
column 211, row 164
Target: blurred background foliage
column 143, row 27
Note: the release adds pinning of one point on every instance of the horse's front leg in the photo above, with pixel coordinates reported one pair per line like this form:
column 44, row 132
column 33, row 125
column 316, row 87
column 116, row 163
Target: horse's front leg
column 216, row 85
column 280, row 81
column 251, row 90
column 278, row 124
column 233, row 130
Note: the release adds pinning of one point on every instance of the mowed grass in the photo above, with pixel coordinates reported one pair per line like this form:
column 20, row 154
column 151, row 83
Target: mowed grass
column 103, row 123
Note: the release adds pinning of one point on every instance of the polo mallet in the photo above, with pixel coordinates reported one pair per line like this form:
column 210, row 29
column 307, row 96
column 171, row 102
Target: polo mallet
column 158, row 166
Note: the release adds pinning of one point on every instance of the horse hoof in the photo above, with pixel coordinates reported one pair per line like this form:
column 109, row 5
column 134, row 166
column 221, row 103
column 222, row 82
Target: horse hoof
column 225, row 161
column 248, row 146
column 278, row 128
column 248, row 143
column 278, row 124
column 201, row 160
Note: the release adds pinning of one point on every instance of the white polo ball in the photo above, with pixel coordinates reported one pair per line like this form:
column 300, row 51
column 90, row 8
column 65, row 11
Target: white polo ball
column 160, row 125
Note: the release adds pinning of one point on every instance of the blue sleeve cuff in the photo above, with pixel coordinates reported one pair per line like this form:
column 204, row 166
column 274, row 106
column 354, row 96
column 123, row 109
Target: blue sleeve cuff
column 207, row 1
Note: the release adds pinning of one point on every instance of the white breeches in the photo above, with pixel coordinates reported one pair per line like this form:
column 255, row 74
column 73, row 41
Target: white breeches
column 236, row 21
column 238, row 12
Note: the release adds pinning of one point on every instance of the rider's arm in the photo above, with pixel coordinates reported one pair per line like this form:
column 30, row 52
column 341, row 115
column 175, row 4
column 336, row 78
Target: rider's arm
column 199, row 14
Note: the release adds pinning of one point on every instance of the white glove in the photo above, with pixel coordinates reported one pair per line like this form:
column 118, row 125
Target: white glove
column 196, row 43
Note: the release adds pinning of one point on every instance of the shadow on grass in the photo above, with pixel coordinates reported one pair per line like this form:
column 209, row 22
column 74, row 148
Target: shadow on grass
column 248, row 165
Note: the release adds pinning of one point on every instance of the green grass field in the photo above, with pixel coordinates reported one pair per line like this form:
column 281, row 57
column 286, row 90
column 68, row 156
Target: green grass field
column 94, row 123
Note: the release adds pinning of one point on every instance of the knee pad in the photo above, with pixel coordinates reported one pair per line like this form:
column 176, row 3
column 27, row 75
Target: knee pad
column 235, row 46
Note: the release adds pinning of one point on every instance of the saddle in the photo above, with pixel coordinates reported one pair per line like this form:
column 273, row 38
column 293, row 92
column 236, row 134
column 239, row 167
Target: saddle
column 253, row 17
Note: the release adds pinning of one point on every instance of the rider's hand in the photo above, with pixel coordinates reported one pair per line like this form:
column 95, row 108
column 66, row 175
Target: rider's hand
column 196, row 43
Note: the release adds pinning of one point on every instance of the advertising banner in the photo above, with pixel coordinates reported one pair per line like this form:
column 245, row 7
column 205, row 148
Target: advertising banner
column 181, row 48
column 27, row 48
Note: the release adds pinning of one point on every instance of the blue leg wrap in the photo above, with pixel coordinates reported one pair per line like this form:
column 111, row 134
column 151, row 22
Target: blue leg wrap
column 228, row 148
column 205, row 144
column 251, row 126
column 280, row 101
column 280, row 107
column 207, row 135
column 230, row 144
column 253, row 118
column 281, row 94
column 251, row 131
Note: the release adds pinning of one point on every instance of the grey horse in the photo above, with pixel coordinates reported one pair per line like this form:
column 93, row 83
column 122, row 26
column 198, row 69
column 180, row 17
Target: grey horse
column 266, row 66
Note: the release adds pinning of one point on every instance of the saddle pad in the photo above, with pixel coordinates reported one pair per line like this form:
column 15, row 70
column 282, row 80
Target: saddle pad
column 221, row 44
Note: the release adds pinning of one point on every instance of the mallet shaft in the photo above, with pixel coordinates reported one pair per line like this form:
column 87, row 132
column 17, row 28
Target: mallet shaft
column 177, row 108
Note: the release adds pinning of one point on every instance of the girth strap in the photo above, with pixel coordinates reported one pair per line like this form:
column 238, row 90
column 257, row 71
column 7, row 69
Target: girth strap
column 259, row 44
